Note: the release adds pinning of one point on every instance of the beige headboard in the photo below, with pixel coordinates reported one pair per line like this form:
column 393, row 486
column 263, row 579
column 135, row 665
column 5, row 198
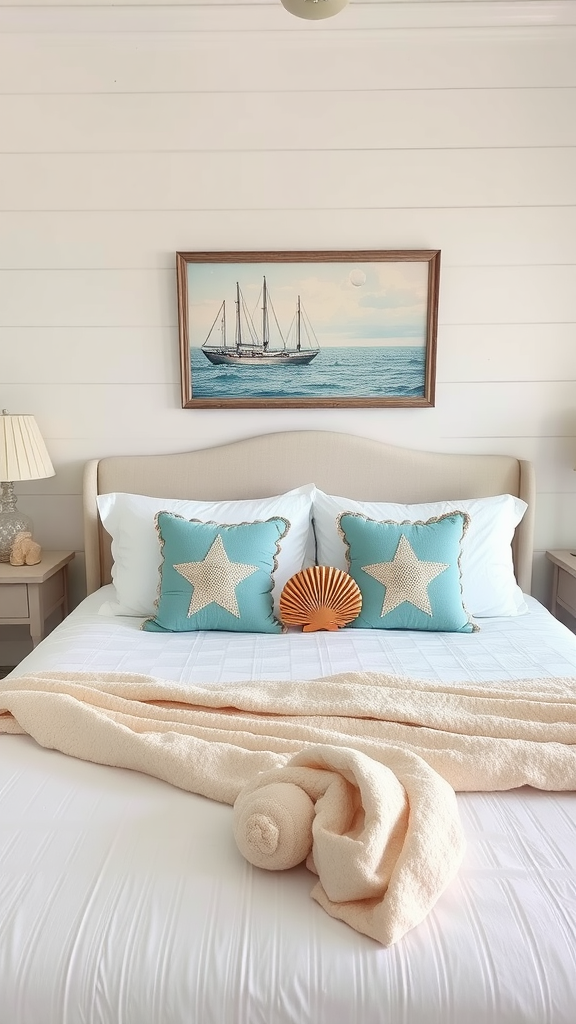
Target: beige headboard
column 337, row 463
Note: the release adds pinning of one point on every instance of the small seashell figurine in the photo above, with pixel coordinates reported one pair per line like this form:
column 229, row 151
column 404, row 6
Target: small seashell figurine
column 24, row 550
column 320, row 597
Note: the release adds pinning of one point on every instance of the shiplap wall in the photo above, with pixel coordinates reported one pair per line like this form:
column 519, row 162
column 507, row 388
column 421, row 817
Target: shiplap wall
column 129, row 132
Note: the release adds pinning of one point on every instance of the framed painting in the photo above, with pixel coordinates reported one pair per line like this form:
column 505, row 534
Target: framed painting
column 303, row 329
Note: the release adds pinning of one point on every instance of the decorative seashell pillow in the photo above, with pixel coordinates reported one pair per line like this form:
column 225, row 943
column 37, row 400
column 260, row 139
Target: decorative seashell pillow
column 320, row 597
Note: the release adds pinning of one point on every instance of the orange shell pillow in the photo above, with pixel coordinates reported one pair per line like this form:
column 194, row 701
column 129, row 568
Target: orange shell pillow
column 320, row 597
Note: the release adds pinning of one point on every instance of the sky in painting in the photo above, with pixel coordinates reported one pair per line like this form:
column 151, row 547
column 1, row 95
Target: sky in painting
column 346, row 303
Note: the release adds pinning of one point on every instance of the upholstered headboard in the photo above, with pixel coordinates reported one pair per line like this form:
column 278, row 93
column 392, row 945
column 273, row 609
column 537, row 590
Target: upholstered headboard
column 342, row 464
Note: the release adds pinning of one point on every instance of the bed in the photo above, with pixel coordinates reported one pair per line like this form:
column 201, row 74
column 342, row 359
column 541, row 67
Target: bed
column 124, row 900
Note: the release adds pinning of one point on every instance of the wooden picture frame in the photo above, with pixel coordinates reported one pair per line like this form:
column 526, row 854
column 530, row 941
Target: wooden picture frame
column 354, row 328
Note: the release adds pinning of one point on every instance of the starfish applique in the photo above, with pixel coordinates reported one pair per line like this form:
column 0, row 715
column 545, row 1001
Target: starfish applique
column 406, row 578
column 215, row 579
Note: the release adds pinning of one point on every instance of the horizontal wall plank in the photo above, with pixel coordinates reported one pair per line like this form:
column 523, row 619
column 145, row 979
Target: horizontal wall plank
column 487, row 295
column 134, row 298
column 88, row 298
column 506, row 352
column 495, row 410
column 191, row 63
column 149, row 239
column 512, row 6
column 83, row 354
column 555, row 521
column 554, row 458
column 57, row 520
column 147, row 355
column 392, row 119
column 84, row 298
column 292, row 180
column 271, row 17
column 68, row 459
column 154, row 421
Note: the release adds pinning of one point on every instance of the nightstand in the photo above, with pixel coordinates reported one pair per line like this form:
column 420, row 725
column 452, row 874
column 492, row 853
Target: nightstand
column 564, row 581
column 30, row 593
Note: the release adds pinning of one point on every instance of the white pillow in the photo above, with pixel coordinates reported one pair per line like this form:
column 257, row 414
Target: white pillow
column 129, row 519
column 488, row 583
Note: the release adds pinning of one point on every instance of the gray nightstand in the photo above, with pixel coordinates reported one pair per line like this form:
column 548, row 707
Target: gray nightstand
column 564, row 581
column 30, row 593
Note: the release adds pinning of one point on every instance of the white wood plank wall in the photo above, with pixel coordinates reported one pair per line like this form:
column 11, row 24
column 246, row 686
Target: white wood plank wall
column 129, row 132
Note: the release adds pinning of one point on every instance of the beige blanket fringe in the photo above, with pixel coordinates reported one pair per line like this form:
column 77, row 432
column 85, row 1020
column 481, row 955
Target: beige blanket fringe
column 356, row 771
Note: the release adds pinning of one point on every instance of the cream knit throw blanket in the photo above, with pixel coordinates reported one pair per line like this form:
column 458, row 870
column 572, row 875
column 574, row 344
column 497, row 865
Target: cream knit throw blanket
column 356, row 772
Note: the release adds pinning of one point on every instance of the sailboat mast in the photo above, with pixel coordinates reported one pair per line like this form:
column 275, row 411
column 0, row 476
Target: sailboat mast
column 265, row 329
column 298, row 319
column 238, row 337
column 224, row 324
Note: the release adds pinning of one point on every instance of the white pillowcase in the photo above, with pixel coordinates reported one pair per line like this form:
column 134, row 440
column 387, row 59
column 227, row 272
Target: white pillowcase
column 129, row 519
column 488, row 583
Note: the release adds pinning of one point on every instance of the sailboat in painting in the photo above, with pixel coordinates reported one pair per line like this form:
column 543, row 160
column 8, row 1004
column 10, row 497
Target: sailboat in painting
column 252, row 346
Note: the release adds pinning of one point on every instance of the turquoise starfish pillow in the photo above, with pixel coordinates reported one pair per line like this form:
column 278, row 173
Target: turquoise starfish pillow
column 408, row 573
column 216, row 577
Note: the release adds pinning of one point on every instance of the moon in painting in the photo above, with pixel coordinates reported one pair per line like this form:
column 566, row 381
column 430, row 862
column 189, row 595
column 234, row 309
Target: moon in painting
column 357, row 277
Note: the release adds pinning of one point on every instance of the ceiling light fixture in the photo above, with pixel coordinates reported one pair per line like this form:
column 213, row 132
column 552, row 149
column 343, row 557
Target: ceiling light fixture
column 314, row 10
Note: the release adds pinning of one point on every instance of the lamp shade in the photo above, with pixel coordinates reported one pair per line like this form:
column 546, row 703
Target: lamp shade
column 23, row 454
column 314, row 10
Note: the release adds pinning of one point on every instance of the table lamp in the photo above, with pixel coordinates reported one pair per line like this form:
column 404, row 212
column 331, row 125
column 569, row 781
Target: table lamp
column 23, row 456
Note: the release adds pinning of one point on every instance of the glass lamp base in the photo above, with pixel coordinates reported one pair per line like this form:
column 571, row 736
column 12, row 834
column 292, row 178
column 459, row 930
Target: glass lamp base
column 12, row 521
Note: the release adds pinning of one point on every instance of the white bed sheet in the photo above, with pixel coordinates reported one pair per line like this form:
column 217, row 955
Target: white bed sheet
column 125, row 901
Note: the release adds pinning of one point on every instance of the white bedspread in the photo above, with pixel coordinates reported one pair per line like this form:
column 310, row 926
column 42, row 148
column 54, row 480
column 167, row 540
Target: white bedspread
column 125, row 901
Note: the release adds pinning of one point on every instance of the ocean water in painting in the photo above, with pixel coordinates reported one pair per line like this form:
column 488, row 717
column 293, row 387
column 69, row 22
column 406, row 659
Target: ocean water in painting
column 355, row 372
